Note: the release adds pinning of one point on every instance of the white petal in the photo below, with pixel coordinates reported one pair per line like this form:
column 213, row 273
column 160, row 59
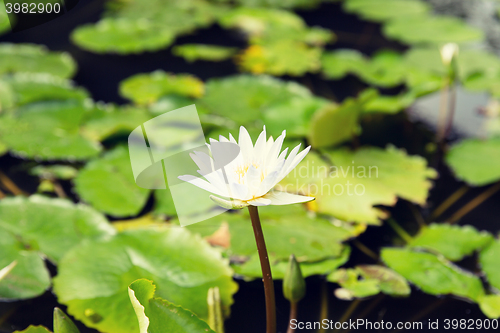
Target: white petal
column 223, row 138
column 246, row 146
column 283, row 198
column 259, row 202
column 203, row 161
column 252, row 180
column 238, row 191
column 260, row 147
column 275, row 148
column 297, row 159
column 201, row 183
column 231, row 138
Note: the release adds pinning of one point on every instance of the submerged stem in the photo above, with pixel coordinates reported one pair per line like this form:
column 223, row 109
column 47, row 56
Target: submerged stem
column 267, row 277
column 399, row 230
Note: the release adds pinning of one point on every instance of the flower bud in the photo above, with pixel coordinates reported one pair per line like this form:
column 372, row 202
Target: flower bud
column 294, row 285
column 448, row 52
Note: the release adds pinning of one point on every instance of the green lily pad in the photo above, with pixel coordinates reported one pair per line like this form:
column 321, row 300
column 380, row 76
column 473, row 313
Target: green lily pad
column 107, row 120
column 334, row 124
column 294, row 115
column 249, row 95
column 182, row 265
column 383, row 10
column 368, row 280
column 357, row 181
column 475, row 161
column 251, row 268
column 157, row 315
column 47, row 130
column 56, row 171
column 108, row 184
column 490, row 259
column 287, row 231
column 490, row 305
column 29, row 88
column 336, row 64
column 389, row 104
column 194, row 52
column 34, row 329
column 452, row 241
column 431, row 29
column 122, row 36
column 148, row 88
column 284, row 57
column 28, row 237
column 432, row 274
column 35, row 59
column 281, row 3
column 4, row 20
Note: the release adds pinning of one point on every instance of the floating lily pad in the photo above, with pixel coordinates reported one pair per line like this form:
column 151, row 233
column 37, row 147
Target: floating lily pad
column 383, row 10
column 107, row 120
column 122, row 36
column 47, row 130
column 157, row 315
column 148, row 88
column 432, row 274
column 336, row 64
column 35, row 59
column 431, row 29
column 357, row 181
column 251, row 268
column 334, row 124
column 490, row 305
column 490, row 263
column 29, row 88
column 243, row 98
column 475, row 161
column 389, row 104
column 109, row 185
column 4, row 20
column 294, row 115
column 281, row 3
column 34, row 329
column 288, row 230
column 56, row 171
column 368, row 280
column 182, row 265
column 279, row 58
column 452, row 241
column 193, row 52
column 38, row 227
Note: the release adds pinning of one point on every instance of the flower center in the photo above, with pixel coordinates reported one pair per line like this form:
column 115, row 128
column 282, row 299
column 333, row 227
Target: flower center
column 241, row 170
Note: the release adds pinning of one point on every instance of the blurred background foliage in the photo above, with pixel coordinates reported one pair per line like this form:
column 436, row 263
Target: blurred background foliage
column 72, row 219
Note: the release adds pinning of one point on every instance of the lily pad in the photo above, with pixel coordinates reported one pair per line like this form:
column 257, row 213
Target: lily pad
column 432, row 274
column 490, row 305
column 34, row 329
column 334, row 124
column 182, row 265
column 29, row 88
column 122, row 36
column 148, row 88
column 357, row 181
column 475, row 161
column 336, row 64
column 108, row 184
column 104, row 121
column 194, row 52
column 278, row 58
column 422, row 29
column 294, row 115
column 490, row 259
column 47, row 130
column 35, row 59
column 56, row 171
column 36, row 228
column 452, row 241
column 383, row 10
column 287, row 231
column 251, row 268
column 243, row 98
column 368, row 280
column 157, row 315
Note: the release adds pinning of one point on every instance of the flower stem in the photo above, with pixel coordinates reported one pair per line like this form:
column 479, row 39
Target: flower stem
column 293, row 315
column 267, row 277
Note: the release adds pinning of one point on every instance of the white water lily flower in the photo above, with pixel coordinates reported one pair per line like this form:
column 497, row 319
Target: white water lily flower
column 252, row 175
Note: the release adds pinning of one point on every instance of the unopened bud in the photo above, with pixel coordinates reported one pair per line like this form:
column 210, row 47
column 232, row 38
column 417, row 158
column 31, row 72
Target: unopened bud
column 448, row 52
column 294, row 285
